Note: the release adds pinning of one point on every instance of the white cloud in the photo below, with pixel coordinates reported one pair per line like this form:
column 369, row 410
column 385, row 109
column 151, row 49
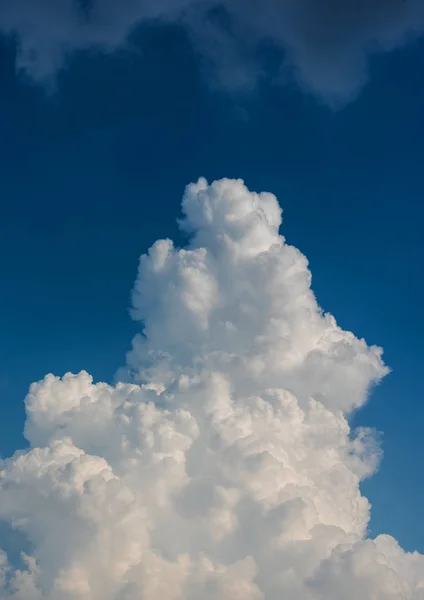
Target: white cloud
column 227, row 469
column 326, row 42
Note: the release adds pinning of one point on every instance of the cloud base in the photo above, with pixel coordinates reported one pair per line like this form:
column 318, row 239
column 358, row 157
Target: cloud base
column 325, row 44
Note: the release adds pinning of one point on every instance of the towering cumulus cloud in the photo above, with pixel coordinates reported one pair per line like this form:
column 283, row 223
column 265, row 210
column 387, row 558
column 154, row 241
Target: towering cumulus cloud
column 226, row 469
column 325, row 43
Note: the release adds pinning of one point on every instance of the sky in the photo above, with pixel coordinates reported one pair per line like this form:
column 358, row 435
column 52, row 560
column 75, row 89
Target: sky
column 100, row 135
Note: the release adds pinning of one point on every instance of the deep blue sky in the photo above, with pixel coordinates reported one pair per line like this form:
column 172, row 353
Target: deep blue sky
column 91, row 175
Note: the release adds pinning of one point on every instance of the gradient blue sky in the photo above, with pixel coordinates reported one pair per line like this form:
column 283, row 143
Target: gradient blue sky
column 92, row 174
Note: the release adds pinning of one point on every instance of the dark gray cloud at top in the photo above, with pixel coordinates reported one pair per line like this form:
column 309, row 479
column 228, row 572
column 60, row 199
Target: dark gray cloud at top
column 325, row 43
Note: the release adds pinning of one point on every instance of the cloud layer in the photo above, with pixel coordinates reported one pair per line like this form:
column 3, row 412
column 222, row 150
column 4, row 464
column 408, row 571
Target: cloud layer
column 226, row 469
column 325, row 43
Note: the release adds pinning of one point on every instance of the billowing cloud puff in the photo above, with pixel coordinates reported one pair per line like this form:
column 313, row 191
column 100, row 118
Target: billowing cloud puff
column 225, row 468
column 325, row 43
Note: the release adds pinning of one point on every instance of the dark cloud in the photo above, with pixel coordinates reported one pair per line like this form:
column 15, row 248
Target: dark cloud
column 325, row 43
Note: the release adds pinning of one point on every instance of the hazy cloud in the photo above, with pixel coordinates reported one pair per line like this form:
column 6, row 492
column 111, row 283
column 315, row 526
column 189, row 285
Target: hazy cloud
column 325, row 43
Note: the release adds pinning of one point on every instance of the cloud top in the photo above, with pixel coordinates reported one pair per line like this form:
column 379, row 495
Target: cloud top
column 226, row 468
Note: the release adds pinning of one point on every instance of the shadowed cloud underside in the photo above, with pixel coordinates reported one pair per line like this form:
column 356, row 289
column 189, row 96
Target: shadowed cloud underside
column 325, row 44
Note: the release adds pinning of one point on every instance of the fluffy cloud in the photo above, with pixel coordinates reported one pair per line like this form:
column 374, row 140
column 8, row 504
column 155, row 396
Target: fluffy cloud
column 325, row 42
column 225, row 467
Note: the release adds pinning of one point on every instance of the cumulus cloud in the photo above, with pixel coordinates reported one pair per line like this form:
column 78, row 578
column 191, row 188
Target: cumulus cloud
column 325, row 43
column 224, row 468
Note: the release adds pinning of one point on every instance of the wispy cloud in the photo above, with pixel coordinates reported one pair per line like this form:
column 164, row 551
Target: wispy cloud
column 325, row 44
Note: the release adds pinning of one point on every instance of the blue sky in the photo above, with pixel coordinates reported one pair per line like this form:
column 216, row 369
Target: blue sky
column 92, row 173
